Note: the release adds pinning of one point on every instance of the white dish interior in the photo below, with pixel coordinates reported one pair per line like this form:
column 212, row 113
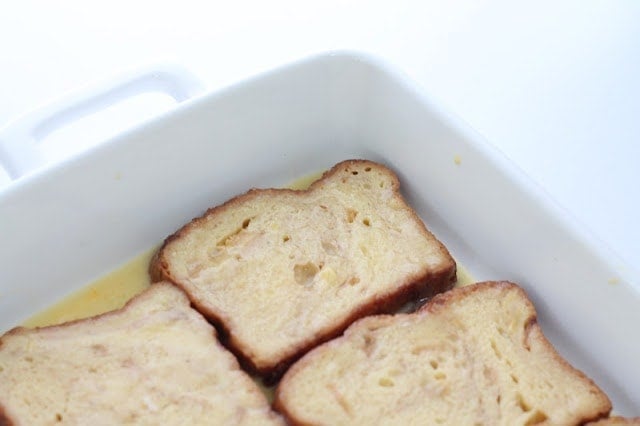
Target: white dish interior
column 68, row 225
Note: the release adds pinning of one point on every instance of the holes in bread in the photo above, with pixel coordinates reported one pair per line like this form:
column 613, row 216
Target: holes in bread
column 367, row 169
column 305, row 273
column 529, row 326
column 228, row 239
column 537, row 417
column 58, row 417
column 368, row 344
column 355, row 172
column 496, row 351
column 351, row 215
column 419, row 349
column 514, row 379
column 285, row 238
column 353, row 280
column 439, row 376
column 434, row 364
column 386, row 382
column 521, row 402
column 366, row 222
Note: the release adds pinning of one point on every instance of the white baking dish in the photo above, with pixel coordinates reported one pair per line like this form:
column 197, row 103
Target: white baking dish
column 67, row 225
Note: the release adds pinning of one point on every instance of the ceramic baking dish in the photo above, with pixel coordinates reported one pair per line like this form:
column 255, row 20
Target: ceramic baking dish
column 68, row 224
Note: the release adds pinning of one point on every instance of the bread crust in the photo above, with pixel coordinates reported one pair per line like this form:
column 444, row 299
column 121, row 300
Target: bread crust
column 616, row 421
column 439, row 303
column 412, row 288
column 4, row 420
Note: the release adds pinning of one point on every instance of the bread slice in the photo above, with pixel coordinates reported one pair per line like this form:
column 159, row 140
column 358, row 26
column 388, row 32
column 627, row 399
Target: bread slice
column 283, row 270
column 155, row 361
column 473, row 355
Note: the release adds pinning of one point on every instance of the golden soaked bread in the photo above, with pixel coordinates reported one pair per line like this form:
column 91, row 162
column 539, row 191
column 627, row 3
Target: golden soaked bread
column 156, row 361
column 282, row 270
column 473, row 355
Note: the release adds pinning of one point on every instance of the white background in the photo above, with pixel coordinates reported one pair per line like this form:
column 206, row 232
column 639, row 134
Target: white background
column 554, row 85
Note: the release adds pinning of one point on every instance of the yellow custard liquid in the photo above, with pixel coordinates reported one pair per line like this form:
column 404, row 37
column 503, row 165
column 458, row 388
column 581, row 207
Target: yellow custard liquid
column 103, row 295
column 114, row 289
column 464, row 276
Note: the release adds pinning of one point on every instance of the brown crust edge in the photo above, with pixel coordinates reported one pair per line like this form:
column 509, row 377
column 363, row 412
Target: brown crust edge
column 4, row 418
column 439, row 302
column 422, row 286
column 619, row 420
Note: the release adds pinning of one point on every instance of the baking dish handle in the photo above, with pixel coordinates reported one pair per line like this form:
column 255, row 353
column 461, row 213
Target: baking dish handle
column 19, row 153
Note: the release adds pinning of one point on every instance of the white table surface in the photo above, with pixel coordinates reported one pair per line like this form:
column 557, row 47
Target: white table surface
column 554, row 85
